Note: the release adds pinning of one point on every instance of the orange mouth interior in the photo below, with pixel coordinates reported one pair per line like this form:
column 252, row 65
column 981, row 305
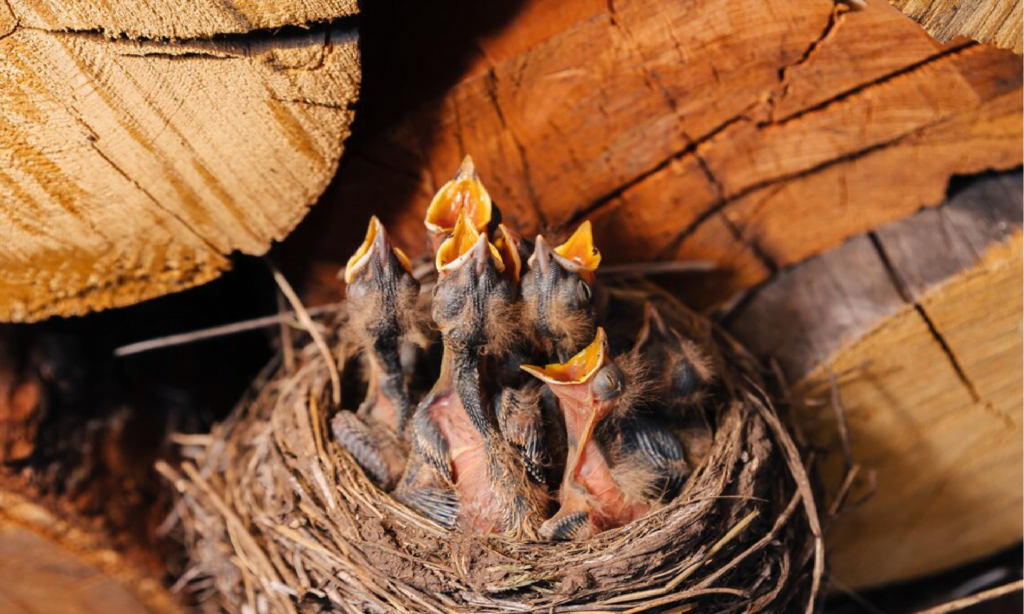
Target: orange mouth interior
column 362, row 255
column 580, row 249
column 577, row 370
column 507, row 244
column 464, row 192
column 456, row 248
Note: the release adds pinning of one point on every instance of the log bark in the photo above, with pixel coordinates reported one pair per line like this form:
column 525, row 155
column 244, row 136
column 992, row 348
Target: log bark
column 921, row 320
column 752, row 134
column 988, row 21
column 133, row 168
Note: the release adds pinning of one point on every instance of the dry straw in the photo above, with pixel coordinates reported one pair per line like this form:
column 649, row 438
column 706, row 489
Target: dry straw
column 275, row 518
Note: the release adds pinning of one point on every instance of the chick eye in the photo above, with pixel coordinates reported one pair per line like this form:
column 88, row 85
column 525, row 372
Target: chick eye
column 608, row 382
column 584, row 290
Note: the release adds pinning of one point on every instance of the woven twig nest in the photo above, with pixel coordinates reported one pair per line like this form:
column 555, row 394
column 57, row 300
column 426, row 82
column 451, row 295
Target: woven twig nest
column 276, row 518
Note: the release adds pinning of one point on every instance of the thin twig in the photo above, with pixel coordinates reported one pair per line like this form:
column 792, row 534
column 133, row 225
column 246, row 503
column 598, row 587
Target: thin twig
column 287, row 346
column 218, row 331
column 992, row 593
column 841, row 423
column 307, row 321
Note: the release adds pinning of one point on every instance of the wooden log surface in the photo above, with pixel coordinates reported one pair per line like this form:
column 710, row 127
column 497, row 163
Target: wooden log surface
column 921, row 319
column 168, row 19
column 752, row 134
column 48, row 565
column 133, row 168
column 998, row 22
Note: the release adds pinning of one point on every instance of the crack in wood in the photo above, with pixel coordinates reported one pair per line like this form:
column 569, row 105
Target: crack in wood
column 17, row 21
column 153, row 199
column 185, row 55
column 753, row 245
column 904, row 291
column 598, row 203
column 831, row 26
column 701, row 218
column 346, row 23
column 869, row 84
column 492, row 93
column 314, row 103
column 650, row 77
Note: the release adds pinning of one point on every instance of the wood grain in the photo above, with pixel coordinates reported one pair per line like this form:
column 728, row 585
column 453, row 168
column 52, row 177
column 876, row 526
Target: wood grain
column 988, row 21
column 167, row 19
column 129, row 169
column 780, row 128
column 922, row 320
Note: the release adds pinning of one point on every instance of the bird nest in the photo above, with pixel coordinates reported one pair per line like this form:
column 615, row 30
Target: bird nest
column 277, row 518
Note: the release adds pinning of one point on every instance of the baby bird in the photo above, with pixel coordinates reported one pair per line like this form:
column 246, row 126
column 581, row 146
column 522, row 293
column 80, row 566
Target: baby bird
column 455, row 432
column 503, row 368
column 381, row 296
column 619, row 476
column 559, row 294
column 514, row 251
column 679, row 368
column 518, row 405
column 521, row 422
column 465, row 192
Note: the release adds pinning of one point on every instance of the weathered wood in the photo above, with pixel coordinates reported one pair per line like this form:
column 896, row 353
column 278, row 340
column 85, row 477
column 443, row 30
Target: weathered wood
column 129, row 169
column 988, row 21
column 922, row 320
column 753, row 134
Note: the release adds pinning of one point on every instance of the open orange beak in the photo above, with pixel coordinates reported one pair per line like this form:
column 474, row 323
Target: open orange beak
column 375, row 245
column 464, row 192
column 578, row 371
column 507, row 242
column 465, row 244
column 578, row 253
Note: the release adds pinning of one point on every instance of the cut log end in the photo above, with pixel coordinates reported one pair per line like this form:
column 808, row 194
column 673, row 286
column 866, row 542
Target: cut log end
column 920, row 323
column 130, row 169
column 986, row 21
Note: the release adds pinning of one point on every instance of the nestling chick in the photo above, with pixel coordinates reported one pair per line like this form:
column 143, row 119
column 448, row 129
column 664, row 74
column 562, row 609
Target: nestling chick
column 455, row 431
column 464, row 192
column 559, row 293
column 381, row 296
column 611, row 480
column 520, row 421
column 502, row 368
column 679, row 368
column 517, row 406
column 428, row 485
column 514, row 251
